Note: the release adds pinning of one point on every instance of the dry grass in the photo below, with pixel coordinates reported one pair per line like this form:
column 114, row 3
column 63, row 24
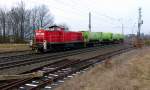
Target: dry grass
column 129, row 71
column 13, row 47
column 147, row 42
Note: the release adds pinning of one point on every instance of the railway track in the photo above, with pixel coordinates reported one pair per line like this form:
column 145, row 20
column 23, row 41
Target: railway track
column 59, row 70
column 23, row 55
column 9, row 56
column 16, row 57
column 16, row 61
column 14, row 53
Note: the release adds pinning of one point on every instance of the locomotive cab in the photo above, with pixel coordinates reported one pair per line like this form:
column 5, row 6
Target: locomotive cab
column 56, row 28
column 44, row 38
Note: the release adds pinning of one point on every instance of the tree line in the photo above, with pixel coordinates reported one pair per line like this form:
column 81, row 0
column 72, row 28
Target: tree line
column 18, row 24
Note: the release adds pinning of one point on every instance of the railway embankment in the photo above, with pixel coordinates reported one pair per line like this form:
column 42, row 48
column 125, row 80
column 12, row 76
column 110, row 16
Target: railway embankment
column 127, row 71
column 13, row 47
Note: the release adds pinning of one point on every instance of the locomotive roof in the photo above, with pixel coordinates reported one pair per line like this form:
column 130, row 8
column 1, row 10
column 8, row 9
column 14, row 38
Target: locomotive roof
column 55, row 26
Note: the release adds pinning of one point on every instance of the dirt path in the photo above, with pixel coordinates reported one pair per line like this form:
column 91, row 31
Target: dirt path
column 128, row 71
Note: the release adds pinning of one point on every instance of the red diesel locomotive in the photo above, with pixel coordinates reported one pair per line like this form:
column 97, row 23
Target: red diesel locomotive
column 55, row 38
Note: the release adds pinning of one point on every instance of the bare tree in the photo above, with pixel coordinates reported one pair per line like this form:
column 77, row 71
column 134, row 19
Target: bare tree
column 3, row 22
column 17, row 17
column 33, row 19
column 21, row 13
column 27, row 25
column 34, row 14
column 18, row 24
column 14, row 23
column 41, row 18
column 45, row 19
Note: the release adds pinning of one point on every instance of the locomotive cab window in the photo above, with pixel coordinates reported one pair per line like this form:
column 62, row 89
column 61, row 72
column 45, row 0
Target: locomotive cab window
column 56, row 28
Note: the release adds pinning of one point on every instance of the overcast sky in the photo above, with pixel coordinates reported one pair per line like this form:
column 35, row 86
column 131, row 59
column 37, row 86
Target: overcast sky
column 107, row 15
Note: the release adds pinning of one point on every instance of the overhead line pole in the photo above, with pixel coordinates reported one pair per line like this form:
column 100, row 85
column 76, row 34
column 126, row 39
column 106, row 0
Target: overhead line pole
column 139, row 43
column 89, row 21
column 122, row 29
column 140, row 22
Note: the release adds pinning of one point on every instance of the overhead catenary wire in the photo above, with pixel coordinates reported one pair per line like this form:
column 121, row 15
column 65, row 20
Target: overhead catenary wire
column 74, row 8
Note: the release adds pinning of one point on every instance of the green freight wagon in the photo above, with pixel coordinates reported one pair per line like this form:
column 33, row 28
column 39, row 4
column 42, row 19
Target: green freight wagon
column 121, row 37
column 107, row 36
column 95, row 36
column 116, row 37
column 92, row 36
column 86, row 35
column 100, row 36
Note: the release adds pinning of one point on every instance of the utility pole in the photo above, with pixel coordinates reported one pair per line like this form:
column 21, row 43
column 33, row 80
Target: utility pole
column 140, row 22
column 89, row 21
column 122, row 29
